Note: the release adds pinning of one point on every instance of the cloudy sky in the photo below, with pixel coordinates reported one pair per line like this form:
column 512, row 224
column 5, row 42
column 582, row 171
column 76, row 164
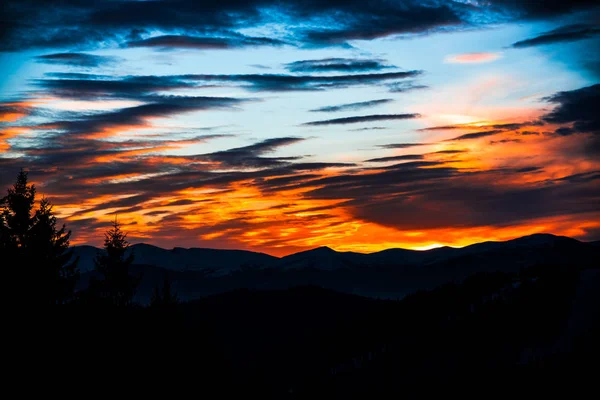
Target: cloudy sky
column 278, row 126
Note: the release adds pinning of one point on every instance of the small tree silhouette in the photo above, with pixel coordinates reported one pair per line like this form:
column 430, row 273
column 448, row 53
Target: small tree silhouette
column 118, row 286
column 33, row 246
column 167, row 299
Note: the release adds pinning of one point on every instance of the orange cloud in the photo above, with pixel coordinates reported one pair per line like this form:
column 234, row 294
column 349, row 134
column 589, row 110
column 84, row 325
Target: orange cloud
column 241, row 215
column 14, row 111
column 9, row 133
column 195, row 201
column 283, row 223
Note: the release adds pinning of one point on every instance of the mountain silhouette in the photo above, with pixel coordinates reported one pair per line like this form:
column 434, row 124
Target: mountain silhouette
column 321, row 258
column 215, row 261
column 390, row 274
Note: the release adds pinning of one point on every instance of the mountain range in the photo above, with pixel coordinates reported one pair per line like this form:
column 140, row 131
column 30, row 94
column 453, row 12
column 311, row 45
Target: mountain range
column 390, row 273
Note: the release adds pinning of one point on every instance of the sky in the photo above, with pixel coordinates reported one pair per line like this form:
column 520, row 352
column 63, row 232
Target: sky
column 280, row 126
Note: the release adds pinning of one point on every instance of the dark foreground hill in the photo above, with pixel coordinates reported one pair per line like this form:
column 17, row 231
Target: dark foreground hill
column 389, row 274
column 531, row 332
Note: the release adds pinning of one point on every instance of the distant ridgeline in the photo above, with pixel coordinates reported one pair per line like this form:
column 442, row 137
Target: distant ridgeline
column 388, row 274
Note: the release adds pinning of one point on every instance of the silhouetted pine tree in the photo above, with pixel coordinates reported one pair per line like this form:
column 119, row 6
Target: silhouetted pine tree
column 34, row 249
column 51, row 255
column 117, row 286
column 16, row 215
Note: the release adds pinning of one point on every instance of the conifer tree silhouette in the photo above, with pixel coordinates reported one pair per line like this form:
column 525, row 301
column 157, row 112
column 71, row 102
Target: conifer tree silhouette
column 51, row 254
column 32, row 245
column 16, row 215
column 117, row 286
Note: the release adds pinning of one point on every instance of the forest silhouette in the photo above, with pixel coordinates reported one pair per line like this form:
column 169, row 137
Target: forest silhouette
column 497, row 331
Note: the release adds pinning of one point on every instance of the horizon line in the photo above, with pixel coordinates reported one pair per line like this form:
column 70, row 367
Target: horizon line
column 348, row 251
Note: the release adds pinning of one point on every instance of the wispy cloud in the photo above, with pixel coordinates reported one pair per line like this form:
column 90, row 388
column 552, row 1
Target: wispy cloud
column 472, row 58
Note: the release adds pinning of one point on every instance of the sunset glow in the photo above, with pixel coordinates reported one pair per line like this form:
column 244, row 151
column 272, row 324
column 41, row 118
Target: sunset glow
column 273, row 129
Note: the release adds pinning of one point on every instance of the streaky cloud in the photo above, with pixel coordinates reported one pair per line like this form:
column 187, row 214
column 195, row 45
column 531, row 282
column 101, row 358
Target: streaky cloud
column 504, row 126
column 162, row 106
column 369, row 128
column 362, row 118
column 89, row 86
column 529, row 169
column 406, row 157
column 477, row 135
column 251, row 156
column 502, row 141
column 568, row 33
column 285, row 82
column 204, row 42
column 337, row 65
column 401, row 145
column 76, row 59
column 450, row 151
column 353, row 106
column 402, row 87
column 82, row 85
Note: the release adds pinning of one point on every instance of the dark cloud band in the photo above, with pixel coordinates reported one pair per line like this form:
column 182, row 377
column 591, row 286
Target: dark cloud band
column 76, row 59
column 363, row 118
column 353, row 106
column 337, row 65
